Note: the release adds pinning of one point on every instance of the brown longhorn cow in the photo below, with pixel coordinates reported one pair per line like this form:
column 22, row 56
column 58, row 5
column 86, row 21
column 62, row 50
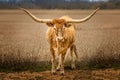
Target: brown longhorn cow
column 61, row 37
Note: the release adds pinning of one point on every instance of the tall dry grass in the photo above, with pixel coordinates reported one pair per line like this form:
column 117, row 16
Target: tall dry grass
column 102, row 59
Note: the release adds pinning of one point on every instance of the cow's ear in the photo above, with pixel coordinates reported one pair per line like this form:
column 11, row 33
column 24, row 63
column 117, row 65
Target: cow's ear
column 49, row 24
column 67, row 25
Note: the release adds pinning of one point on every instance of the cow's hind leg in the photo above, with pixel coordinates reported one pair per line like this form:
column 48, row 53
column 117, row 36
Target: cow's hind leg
column 53, row 60
column 72, row 57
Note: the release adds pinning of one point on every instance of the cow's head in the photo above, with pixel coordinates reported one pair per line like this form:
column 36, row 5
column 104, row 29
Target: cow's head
column 59, row 25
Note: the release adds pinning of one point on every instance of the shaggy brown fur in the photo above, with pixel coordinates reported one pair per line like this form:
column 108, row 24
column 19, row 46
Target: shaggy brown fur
column 69, row 39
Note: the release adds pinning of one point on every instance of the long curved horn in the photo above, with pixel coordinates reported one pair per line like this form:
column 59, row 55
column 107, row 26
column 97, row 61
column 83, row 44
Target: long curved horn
column 35, row 18
column 84, row 19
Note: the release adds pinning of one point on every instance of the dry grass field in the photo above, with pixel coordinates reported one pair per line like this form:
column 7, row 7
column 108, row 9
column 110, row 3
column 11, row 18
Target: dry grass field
column 23, row 44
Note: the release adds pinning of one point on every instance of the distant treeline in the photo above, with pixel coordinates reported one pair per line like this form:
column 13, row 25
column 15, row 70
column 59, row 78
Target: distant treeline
column 59, row 4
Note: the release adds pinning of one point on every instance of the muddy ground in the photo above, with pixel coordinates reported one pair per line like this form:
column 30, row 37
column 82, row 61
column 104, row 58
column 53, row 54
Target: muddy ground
column 105, row 74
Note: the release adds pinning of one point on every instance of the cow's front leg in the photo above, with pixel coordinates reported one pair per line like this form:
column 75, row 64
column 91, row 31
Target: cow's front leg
column 62, row 57
column 59, row 63
column 53, row 61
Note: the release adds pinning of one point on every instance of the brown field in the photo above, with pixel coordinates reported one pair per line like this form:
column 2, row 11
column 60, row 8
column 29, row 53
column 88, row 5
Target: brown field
column 23, row 42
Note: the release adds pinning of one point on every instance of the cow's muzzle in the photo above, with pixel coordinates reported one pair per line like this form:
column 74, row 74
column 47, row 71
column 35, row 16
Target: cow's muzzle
column 60, row 39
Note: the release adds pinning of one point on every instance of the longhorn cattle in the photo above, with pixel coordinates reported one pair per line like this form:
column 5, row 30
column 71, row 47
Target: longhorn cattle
column 61, row 37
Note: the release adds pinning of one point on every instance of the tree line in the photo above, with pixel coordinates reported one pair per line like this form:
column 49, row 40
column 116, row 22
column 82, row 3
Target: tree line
column 59, row 4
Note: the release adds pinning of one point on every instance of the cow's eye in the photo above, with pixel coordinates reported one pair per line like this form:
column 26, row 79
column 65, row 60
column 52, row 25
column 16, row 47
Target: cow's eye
column 63, row 28
column 67, row 25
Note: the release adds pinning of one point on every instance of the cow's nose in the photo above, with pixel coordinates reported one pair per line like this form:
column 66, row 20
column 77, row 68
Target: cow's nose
column 60, row 38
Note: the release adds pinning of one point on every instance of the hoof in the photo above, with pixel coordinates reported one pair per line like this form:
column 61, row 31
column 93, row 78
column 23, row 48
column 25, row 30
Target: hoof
column 73, row 68
column 53, row 73
column 62, row 74
column 57, row 69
